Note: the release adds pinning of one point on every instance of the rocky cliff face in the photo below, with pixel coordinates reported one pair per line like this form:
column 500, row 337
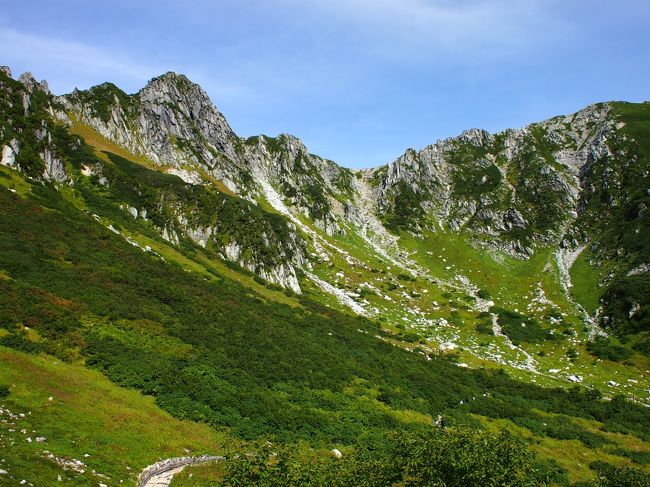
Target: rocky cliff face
column 29, row 138
column 262, row 243
column 35, row 139
column 514, row 190
column 173, row 123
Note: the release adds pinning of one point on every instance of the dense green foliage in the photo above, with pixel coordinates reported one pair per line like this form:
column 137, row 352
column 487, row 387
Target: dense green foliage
column 620, row 476
column 604, row 348
column 432, row 458
column 211, row 351
column 543, row 201
column 473, row 175
column 406, row 210
column 102, row 98
column 520, row 328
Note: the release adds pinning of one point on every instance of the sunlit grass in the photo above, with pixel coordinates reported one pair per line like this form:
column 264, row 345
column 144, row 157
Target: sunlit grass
column 121, row 431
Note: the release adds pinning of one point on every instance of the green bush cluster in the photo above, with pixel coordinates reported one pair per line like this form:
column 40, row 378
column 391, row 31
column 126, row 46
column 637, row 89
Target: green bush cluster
column 101, row 99
column 604, row 348
column 461, row 457
column 406, row 212
column 520, row 328
column 619, row 476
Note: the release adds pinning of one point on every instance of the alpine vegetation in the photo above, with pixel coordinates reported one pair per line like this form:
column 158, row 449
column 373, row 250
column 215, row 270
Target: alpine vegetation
column 187, row 306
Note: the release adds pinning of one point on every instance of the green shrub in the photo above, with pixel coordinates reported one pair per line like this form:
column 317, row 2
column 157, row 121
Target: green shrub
column 520, row 328
column 484, row 294
column 18, row 342
column 437, row 457
column 619, row 476
column 604, row 348
column 485, row 328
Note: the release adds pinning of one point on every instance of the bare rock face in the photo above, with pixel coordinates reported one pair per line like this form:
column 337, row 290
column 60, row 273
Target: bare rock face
column 54, row 168
column 521, row 186
column 171, row 120
column 174, row 108
column 173, row 123
column 9, row 153
column 37, row 145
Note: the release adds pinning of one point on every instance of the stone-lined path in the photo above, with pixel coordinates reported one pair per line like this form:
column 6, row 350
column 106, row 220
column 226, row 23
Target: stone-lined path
column 160, row 474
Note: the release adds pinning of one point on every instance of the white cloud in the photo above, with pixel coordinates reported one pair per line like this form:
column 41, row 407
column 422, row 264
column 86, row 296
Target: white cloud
column 73, row 62
column 69, row 64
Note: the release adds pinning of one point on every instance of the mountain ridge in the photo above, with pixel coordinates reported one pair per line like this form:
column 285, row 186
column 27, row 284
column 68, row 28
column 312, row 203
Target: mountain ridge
column 518, row 192
column 432, row 178
column 498, row 280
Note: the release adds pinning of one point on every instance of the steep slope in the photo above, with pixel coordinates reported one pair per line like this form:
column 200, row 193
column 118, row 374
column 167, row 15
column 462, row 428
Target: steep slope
column 213, row 351
column 34, row 141
column 140, row 262
column 550, row 189
column 173, row 123
column 63, row 422
column 350, row 237
column 615, row 226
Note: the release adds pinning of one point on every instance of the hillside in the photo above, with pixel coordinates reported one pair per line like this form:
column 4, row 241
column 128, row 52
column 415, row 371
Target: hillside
column 271, row 294
column 519, row 208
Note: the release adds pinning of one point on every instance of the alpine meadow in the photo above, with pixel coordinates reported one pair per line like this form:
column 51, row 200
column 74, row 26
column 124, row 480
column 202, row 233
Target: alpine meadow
column 183, row 306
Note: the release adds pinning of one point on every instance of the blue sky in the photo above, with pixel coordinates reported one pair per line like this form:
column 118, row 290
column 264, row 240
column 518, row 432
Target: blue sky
column 359, row 81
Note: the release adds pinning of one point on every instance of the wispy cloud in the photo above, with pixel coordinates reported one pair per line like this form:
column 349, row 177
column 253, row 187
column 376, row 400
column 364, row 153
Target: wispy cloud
column 80, row 61
column 479, row 29
column 70, row 64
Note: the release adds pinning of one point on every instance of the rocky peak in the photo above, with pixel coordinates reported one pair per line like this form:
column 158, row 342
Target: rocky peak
column 496, row 184
column 171, row 121
column 474, row 136
column 180, row 104
column 27, row 142
column 28, row 81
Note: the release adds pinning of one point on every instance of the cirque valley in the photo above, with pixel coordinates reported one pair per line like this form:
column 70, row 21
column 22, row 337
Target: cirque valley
column 258, row 291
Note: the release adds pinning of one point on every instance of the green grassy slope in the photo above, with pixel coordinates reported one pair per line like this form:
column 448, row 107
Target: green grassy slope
column 115, row 432
column 213, row 344
column 212, row 351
